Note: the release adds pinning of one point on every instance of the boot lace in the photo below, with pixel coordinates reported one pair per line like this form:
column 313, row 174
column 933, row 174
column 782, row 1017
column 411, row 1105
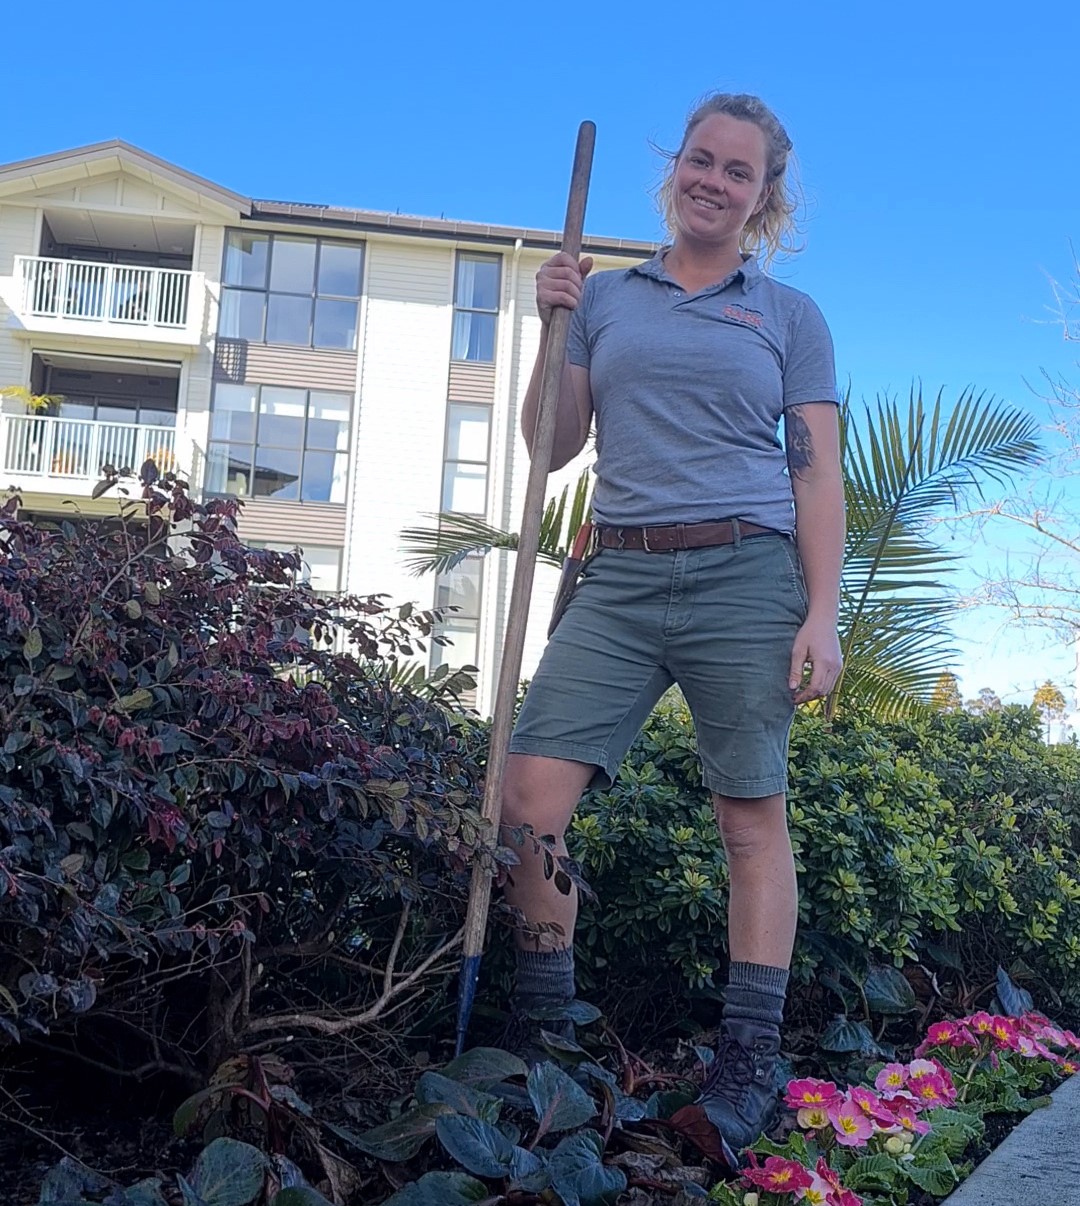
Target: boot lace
column 731, row 1072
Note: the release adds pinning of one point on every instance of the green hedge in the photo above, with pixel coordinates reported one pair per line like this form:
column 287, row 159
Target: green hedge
column 948, row 842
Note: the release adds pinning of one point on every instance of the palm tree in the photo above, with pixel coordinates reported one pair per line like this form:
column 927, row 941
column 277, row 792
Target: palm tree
column 903, row 467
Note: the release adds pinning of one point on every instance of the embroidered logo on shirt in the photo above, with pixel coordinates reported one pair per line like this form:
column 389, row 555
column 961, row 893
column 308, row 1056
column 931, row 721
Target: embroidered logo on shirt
column 749, row 318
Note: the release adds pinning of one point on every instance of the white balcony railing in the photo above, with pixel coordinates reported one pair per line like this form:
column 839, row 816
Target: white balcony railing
column 42, row 446
column 83, row 291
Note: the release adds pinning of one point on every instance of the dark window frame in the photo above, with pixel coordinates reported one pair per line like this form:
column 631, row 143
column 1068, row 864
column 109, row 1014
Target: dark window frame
column 304, row 448
column 448, row 460
column 314, row 297
column 439, row 652
column 486, row 257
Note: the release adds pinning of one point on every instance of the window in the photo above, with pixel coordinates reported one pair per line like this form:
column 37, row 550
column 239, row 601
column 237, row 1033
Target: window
column 285, row 289
column 460, row 587
column 321, row 564
column 269, row 441
column 464, row 489
column 476, row 307
column 465, row 466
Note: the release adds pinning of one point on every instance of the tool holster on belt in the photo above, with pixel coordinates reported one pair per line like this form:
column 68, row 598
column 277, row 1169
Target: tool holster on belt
column 582, row 552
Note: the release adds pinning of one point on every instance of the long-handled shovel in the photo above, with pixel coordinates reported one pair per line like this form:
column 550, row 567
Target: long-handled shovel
column 518, row 615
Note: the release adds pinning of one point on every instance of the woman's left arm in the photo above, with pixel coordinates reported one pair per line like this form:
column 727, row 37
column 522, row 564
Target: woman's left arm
column 812, row 440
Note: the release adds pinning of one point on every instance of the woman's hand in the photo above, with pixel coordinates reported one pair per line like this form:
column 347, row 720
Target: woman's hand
column 559, row 283
column 818, row 647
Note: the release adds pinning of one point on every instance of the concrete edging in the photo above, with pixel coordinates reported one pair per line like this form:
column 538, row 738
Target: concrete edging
column 1037, row 1162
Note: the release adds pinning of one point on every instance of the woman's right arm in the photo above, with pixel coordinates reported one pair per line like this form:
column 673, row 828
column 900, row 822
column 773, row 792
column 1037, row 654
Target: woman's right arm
column 559, row 283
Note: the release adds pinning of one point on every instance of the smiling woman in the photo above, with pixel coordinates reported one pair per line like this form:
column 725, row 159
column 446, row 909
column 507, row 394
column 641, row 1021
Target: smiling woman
column 716, row 566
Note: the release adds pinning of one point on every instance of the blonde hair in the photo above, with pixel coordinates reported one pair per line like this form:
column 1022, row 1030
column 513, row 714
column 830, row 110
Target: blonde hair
column 772, row 230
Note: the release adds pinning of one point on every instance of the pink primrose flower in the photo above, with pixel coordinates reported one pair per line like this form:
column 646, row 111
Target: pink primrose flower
column 981, row 1023
column 1031, row 1048
column 907, row 1119
column 779, row 1175
column 810, row 1092
column 837, row 1195
column 1004, row 1034
column 892, row 1076
column 877, row 1110
column 853, row 1128
column 931, row 1091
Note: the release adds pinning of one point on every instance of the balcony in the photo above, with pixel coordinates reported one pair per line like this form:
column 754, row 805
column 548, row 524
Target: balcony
column 118, row 301
column 65, row 456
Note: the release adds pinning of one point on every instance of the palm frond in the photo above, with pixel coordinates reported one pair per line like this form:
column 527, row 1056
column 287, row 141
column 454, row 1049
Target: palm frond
column 454, row 536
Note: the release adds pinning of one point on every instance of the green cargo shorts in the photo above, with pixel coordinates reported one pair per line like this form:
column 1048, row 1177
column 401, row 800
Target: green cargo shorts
column 720, row 622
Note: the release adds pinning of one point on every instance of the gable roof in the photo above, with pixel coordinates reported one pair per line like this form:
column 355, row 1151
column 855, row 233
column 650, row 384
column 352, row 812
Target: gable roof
column 98, row 157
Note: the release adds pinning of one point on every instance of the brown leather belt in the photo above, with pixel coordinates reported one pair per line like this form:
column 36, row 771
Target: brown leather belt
column 675, row 536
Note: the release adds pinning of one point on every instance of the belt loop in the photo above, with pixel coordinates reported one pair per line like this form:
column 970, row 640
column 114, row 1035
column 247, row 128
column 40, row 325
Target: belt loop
column 680, row 536
column 736, row 533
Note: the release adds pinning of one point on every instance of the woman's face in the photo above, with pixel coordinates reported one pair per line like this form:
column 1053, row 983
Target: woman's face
column 719, row 181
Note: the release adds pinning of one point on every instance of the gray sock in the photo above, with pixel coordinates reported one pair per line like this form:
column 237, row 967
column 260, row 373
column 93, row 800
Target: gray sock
column 544, row 978
column 756, row 993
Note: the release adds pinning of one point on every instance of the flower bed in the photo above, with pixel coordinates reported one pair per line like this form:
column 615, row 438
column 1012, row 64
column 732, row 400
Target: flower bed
column 909, row 1132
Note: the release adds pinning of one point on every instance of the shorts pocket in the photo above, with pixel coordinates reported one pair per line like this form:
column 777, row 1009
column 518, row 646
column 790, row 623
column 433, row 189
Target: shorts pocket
column 798, row 582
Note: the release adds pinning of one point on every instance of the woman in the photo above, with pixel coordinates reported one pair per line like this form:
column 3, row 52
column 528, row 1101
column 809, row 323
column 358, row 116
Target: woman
column 718, row 566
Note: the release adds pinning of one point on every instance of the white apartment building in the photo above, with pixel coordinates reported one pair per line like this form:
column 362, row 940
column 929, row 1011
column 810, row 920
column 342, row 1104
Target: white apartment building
column 348, row 373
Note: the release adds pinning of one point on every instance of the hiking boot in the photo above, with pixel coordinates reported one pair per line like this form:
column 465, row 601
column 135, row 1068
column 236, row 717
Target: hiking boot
column 739, row 1096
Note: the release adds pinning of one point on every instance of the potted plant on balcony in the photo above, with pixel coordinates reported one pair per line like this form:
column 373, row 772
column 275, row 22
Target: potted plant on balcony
column 36, row 404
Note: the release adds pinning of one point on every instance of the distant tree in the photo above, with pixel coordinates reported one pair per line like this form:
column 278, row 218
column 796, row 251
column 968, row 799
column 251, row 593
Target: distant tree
column 1041, row 584
column 1050, row 702
column 947, row 697
column 987, row 701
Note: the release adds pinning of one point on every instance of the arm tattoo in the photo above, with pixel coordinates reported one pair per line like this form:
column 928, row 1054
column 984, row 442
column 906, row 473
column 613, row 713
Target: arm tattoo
column 800, row 443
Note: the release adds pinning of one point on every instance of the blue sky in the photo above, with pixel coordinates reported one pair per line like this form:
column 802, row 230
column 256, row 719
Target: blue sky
column 937, row 145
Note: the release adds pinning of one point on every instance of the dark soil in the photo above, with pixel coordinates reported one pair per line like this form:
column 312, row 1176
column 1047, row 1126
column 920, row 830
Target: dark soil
column 54, row 1107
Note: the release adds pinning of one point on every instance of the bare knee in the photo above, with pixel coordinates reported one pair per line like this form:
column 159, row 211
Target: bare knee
column 542, row 792
column 753, row 827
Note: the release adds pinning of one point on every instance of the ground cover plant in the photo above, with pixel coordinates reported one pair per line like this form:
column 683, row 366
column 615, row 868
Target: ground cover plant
column 236, row 825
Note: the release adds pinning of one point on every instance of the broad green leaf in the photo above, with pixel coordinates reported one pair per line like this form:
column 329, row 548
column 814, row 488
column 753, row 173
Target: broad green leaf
column 441, row 1189
column 842, row 1035
column 485, row 1066
column 581, row 1013
column 67, row 1180
column 33, row 646
column 529, row 1171
column 151, row 593
column 189, row 1111
column 433, row 1087
column 665, row 1102
column 229, row 1173
column 560, row 1103
column 141, row 698
column 1015, row 1001
column 887, row 991
column 300, row 1196
column 475, row 1145
column 579, row 1175
column 938, row 1179
column 401, row 1138
column 146, row 1193
column 872, row 1172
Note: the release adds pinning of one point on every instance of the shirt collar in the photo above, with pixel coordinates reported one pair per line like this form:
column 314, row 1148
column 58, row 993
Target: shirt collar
column 748, row 274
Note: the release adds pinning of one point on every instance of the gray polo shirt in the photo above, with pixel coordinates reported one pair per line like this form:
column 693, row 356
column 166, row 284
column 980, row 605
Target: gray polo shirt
column 688, row 391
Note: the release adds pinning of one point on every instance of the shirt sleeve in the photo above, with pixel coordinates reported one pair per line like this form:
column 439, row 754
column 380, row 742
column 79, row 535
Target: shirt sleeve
column 809, row 365
column 577, row 341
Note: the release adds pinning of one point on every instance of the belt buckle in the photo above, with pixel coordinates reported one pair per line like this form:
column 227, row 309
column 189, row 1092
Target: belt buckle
column 645, row 541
